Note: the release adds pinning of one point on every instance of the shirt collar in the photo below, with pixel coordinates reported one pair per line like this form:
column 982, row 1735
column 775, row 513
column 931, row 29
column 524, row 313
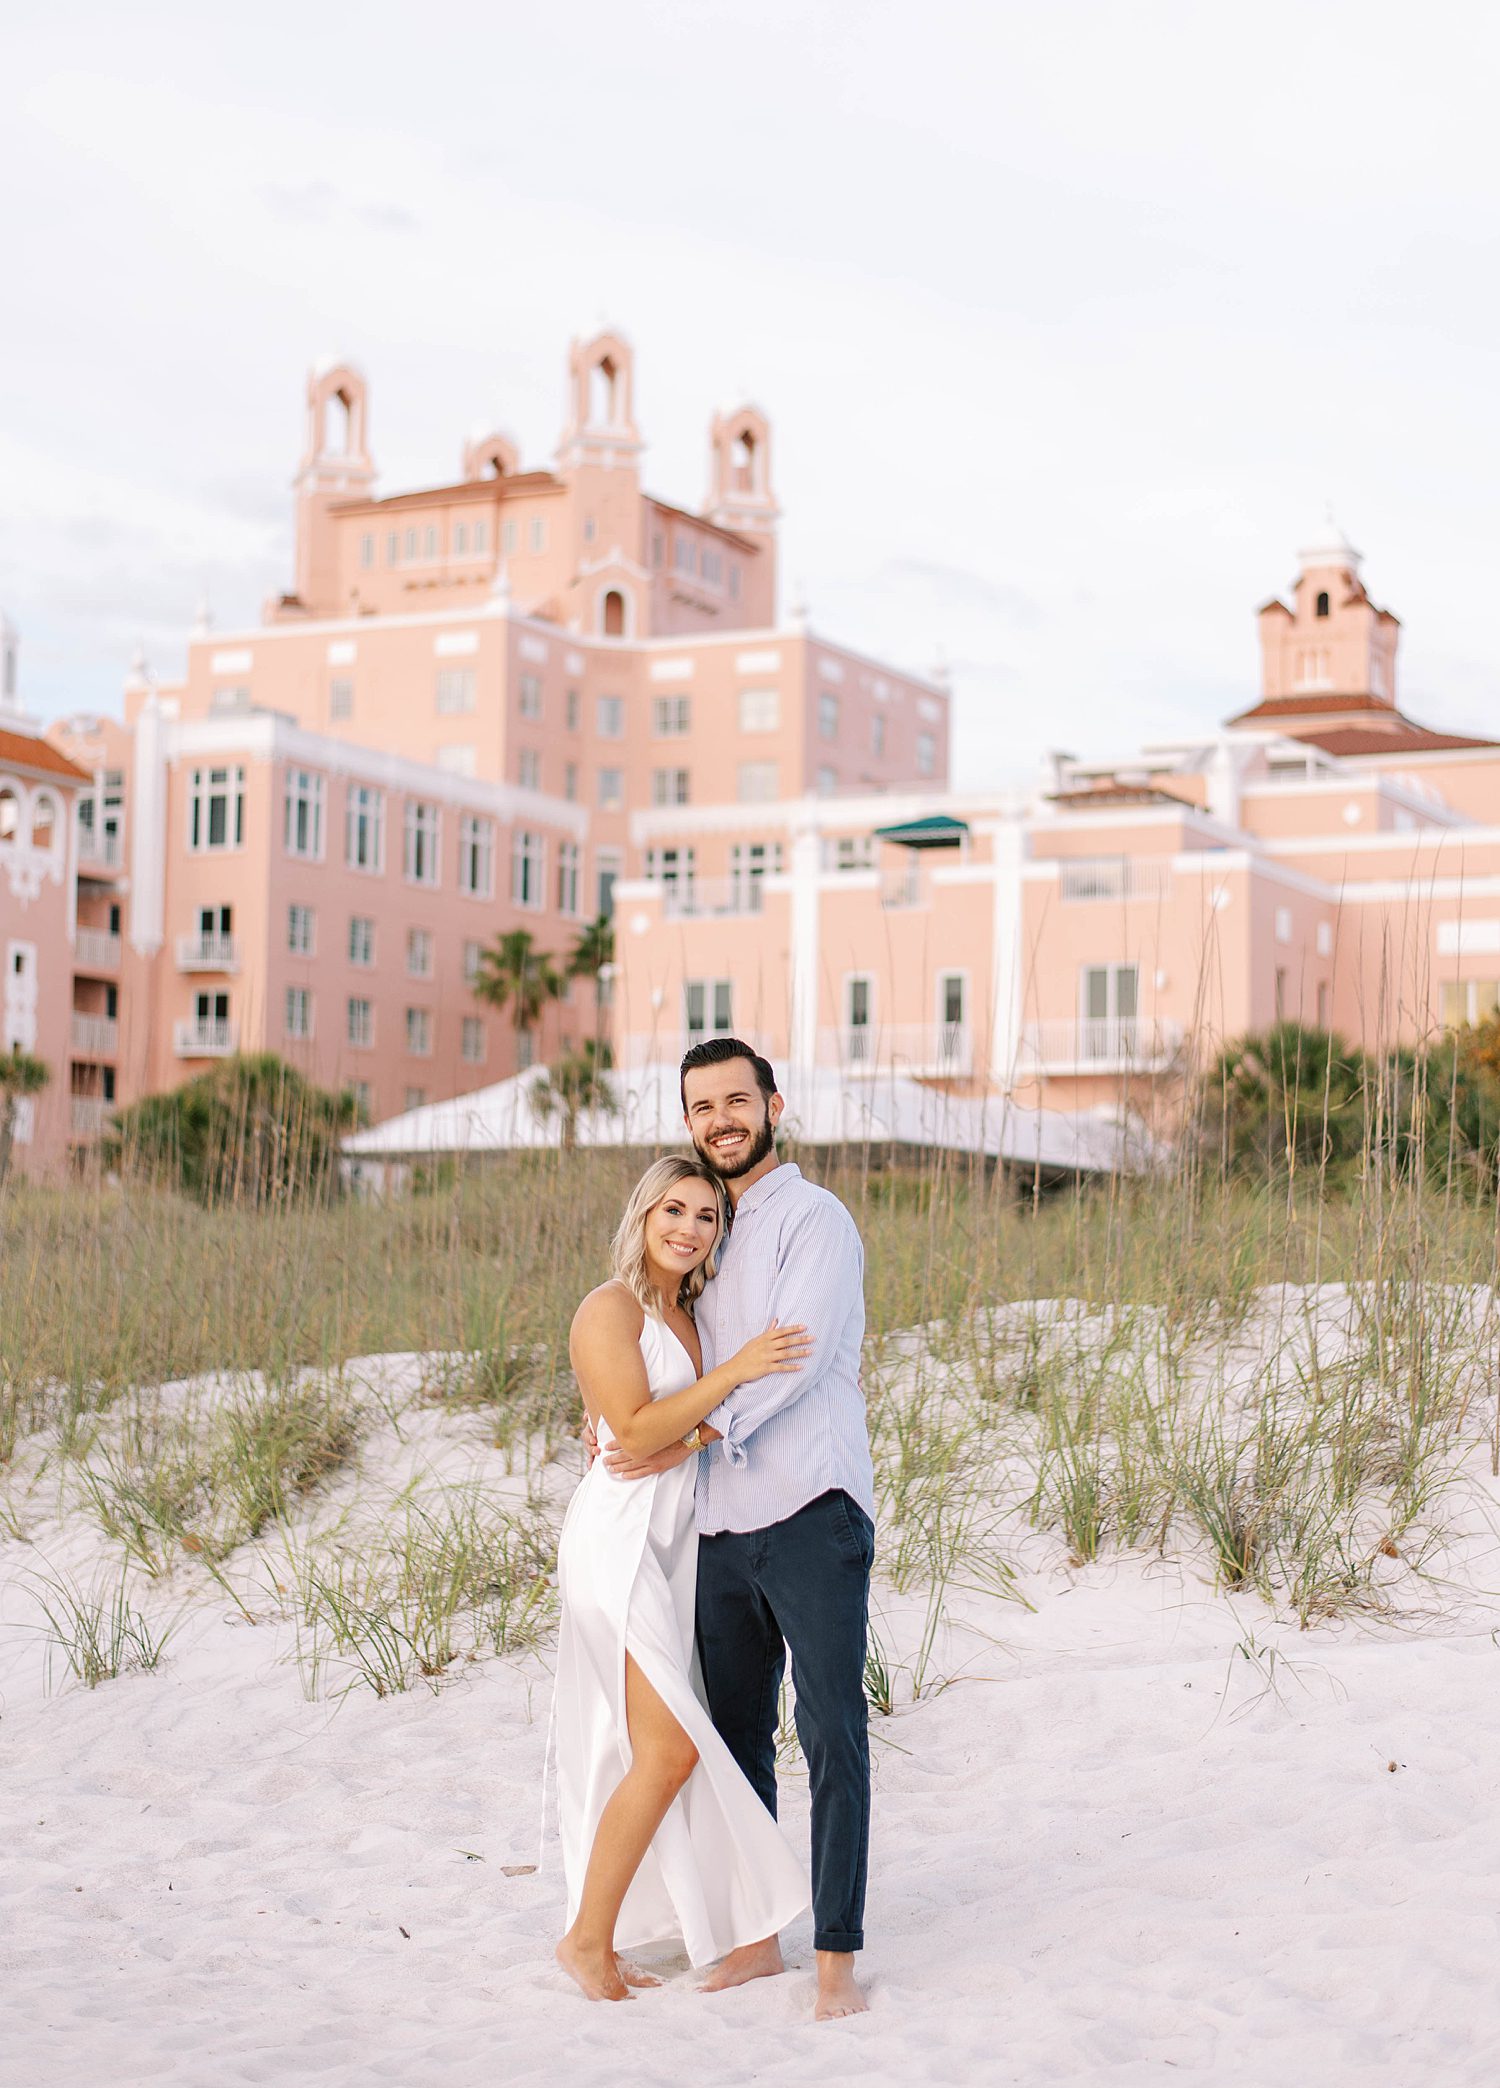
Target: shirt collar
column 762, row 1191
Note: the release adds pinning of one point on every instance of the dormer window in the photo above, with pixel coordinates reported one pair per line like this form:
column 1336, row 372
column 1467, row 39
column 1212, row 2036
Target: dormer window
column 1321, row 606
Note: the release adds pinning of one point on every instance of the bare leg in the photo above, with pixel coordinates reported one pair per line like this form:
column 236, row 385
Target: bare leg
column 662, row 1760
column 838, row 1994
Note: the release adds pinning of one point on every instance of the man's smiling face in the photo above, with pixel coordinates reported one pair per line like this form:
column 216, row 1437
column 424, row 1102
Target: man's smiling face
column 728, row 1118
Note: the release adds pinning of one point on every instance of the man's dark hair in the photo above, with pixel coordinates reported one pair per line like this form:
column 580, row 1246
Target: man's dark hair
column 718, row 1051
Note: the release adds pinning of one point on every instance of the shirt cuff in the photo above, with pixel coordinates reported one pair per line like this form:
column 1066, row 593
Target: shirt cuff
column 727, row 1423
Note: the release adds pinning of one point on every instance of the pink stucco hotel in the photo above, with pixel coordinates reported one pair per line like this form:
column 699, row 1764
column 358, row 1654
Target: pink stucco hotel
column 526, row 697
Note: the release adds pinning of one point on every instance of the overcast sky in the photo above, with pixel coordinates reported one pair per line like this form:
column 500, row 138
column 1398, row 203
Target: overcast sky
column 1070, row 318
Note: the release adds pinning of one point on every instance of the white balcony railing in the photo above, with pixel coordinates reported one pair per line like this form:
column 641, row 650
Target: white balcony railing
column 687, row 898
column 99, row 848
column 921, row 1050
column 90, row 1114
column 97, row 950
column 905, row 889
column 207, row 953
column 206, row 1039
column 1117, row 1044
column 1114, row 877
column 96, row 1036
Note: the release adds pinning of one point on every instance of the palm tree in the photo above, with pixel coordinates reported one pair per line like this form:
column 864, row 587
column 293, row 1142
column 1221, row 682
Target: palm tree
column 20, row 1074
column 513, row 973
column 593, row 957
column 579, row 1081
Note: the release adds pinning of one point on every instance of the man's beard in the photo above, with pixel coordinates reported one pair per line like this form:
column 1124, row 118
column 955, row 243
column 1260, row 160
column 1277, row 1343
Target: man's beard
column 761, row 1143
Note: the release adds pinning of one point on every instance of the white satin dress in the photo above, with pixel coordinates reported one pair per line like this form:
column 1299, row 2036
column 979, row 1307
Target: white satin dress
column 719, row 1872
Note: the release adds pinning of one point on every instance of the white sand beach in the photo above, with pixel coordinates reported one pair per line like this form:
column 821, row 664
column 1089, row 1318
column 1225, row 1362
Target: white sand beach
column 1137, row 1831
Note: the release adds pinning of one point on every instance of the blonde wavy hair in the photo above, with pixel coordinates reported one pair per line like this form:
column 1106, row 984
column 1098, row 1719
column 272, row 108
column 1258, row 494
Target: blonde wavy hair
column 627, row 1250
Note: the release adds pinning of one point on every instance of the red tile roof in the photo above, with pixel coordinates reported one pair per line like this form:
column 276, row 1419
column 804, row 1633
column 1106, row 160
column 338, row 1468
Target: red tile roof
column 1408, row 739
column 1312, row 707
column 23, row 750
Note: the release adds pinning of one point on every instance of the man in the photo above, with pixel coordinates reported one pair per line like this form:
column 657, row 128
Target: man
column 785, row 1501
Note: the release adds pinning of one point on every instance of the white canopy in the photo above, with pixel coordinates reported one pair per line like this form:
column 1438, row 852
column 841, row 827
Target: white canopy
column 824, row 1107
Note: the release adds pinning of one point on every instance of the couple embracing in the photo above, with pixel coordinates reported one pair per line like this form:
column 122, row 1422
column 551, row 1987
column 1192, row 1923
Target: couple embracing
column 726, row 1519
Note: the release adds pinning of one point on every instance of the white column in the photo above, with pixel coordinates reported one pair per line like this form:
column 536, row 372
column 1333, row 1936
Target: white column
column 806, row 867
column 1008, row 843
column 147, row 813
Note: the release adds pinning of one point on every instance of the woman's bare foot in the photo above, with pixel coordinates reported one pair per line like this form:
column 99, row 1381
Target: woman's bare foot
column 595, row 1971
column 753, row 1961
column 633, row 1974
column 838, row 1995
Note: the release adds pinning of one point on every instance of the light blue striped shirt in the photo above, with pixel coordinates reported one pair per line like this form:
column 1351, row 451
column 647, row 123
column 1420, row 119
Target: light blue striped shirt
column 794, row 1255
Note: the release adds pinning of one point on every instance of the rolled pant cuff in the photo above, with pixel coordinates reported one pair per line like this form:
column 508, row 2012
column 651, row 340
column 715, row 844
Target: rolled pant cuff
column 838, row 1939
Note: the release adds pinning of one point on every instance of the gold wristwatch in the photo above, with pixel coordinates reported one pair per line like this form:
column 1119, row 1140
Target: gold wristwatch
column 694, row 1440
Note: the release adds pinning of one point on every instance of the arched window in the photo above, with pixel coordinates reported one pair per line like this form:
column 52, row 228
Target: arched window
column 43, row 820
column 612, row 614
column 1322, row 605
column 338, row 425
column 10, row 814
column 603, row 378
column 743, row 464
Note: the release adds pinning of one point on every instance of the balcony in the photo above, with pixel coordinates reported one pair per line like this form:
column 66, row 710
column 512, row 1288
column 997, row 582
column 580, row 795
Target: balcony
column 90, row 1115
column 216, row 953
column 905, row 889
column 920, row 1050
column 99, row 851
column 95, row 1036
column 96, row 950
column 204, row 1039
column 1116, row 1044
column 690, row 898
column 1113, row 877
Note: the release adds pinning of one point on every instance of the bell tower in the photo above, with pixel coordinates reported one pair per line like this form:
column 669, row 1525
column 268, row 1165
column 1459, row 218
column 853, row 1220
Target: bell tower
column 1331, row 641
column 336, row 465
column 601, row 427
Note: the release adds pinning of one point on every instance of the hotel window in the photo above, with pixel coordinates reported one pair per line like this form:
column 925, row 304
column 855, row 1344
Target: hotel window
column 413, row 1098
column 529, row 769
column 828, row 716
column 363, row 1098
column 570, row 781
column 473, row 958
column 537, row 534
column 607, row 868
column 527, row 867
column 952, row 995
column 851, row 852
column 713, row 567
column 828, row 782
column 673, row 868
column 734, row 582
column 531, row 696
column 460, row 540
column 419, row 1032
column 1283, row 924
column 609, row 717
column 304, row 814
column 707, row 1008
column 360, row 1029
column 1322, row 606
column 926, row 754
column 877, row 735
column 507, row 537
column 760, row 710
column 750, row 863
column 1109, row 997
column 481, row 539
column 669, row 786
column 476, row 856
column 411, row 543
column 298, row 1012
column 571, row 708
column 430, row 542
column 687, row 555
column 367, row 551
column 859, row 1006
column 419, row 953
column 455, row 690
column 611, row 789
column 421, row 842
column 364, row 828
column 757, row 782
column 216, row 808
column 361, row 940
column 671, row 716
column 301, row 931
column 232, row 698
column 392, row 548
column 568, row 857
column 341, row 699
column 473, row 1041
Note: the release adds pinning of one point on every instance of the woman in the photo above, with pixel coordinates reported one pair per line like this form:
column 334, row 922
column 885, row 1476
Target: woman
column 661, row 1834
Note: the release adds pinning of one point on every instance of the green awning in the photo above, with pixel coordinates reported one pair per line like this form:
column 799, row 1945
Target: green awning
column 936, row 831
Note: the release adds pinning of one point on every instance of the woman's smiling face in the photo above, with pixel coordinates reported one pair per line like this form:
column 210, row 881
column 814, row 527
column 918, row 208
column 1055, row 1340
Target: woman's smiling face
column 681, row 1231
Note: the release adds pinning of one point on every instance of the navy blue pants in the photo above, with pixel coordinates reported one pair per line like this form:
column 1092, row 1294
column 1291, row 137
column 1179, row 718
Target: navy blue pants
column 802, row 1584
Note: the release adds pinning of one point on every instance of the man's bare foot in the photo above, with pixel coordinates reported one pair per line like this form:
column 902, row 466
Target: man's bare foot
column 838, row 1995
column 595, row 1971
column 633, row 1974
column 752, row 1961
